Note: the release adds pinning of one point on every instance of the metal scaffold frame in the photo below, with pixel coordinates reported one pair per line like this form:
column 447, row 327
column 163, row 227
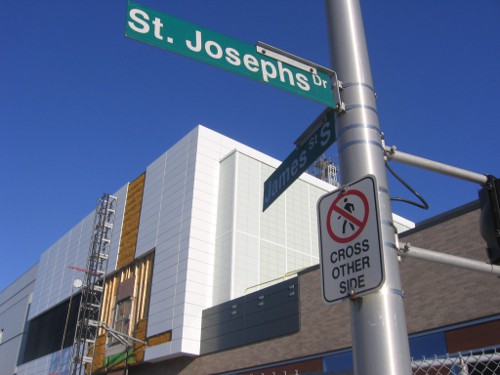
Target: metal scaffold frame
column 93, row 287
column 327, row 171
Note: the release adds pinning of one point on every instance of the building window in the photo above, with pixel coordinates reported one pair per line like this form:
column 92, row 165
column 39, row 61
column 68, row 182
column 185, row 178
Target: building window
column 126, row 297
column 122, row 316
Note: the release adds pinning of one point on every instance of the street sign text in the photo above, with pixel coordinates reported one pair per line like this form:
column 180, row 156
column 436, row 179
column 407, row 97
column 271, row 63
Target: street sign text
column 301, row 158
column 187, row 39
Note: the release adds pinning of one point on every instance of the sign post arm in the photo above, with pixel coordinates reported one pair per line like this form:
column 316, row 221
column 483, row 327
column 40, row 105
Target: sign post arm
column 407, row 250
column 393, row 154
column 380, row 338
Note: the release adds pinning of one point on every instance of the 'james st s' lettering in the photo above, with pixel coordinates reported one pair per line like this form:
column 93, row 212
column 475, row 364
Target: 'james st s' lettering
column 322, row 138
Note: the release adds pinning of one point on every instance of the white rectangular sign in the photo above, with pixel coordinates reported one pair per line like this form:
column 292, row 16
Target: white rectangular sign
column 350, row 241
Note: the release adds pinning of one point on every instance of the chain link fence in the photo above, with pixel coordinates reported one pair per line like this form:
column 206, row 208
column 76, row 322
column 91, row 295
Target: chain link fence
column 479, row 362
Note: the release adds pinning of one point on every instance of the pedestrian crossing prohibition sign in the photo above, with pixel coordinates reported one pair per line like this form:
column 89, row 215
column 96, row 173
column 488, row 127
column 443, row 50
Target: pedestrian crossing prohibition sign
column 347, row 216
column 350, row 241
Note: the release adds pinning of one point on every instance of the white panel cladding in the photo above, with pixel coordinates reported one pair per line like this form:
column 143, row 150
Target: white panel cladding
column 171, row 220
column 12, row 292
column 212, row 147
column 247, row 256
column 297, row 221
column 121, row 200
column 314, row 194
column 255, row 248
column 73, row 248
column 224, row 231
column 55, row 277
column 14, row 304
column 12, row 322
column 185, row 242
column 151, row 204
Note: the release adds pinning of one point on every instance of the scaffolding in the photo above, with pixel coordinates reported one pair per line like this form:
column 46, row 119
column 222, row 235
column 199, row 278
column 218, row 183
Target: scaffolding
column 327, row 171
column 83, row 350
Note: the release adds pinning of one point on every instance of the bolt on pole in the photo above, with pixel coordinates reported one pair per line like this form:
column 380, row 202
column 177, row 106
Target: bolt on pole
column 379, row 333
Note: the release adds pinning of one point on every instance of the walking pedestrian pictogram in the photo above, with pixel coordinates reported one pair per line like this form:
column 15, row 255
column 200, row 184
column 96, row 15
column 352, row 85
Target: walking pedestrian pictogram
column 347, row 216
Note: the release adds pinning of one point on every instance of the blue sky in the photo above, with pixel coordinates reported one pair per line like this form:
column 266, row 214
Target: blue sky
column 84, row 110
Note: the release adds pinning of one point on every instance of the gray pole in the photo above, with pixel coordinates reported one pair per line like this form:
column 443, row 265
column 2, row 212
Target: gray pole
column 380, row 338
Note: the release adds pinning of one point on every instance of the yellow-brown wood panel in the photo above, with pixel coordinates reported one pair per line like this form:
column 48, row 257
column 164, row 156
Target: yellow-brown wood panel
column 100, row 348
column 130, row 229
column 160, row 338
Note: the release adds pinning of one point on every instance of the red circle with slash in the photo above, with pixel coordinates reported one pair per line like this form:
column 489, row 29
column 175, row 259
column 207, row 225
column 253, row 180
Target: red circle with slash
column 356, row 216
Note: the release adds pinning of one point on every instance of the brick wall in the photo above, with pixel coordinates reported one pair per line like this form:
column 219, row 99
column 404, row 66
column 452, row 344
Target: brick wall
column 438, row 295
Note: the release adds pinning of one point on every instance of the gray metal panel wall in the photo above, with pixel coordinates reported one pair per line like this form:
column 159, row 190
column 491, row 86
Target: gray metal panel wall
column 265, row 314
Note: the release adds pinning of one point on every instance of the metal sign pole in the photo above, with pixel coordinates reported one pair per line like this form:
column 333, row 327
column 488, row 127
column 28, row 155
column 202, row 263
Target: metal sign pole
column 380, row 337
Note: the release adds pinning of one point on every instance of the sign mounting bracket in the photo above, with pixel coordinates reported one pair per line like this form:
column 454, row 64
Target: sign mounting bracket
column 306, row 65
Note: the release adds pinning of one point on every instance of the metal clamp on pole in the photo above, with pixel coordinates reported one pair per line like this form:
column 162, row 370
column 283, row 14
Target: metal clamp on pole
column 337, row 85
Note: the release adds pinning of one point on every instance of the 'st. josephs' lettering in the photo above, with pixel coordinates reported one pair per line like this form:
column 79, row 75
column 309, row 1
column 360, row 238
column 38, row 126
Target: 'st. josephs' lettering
column 139, row 23
column 179, row 36
column 269, row 69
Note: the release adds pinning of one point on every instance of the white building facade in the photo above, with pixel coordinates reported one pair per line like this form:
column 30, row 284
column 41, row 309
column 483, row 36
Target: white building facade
column 199, row 215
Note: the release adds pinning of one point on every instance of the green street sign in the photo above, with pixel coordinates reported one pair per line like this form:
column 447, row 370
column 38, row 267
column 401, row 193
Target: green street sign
column 310, row 146
column 187, row 39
